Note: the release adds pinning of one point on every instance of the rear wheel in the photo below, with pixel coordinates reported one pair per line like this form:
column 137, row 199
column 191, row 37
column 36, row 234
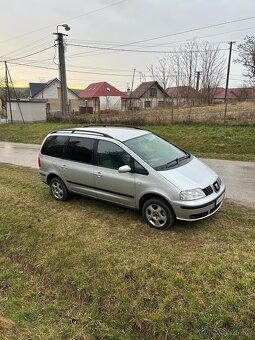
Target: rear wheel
column 158, row 214
column 58, row 189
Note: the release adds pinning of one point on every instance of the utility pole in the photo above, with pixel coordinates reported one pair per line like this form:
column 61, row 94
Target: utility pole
column 131, row 94
column 7, row 94
column 227, row 80
column 62, row 69
column 198, row 79
column 15, row 94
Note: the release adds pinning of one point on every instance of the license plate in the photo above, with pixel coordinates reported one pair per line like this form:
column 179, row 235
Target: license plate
column 219, row 199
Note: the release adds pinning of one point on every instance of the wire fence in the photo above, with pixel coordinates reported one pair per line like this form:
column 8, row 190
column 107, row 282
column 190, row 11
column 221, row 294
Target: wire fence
column 161, row 117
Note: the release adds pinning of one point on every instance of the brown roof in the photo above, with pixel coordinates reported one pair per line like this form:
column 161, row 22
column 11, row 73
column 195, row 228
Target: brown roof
column 180, row 91
column 144, row 87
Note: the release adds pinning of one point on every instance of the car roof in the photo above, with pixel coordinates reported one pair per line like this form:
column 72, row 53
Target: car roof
column 117, row 132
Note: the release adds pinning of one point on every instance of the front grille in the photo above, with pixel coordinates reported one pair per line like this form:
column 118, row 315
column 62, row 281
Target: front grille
column 208, row 190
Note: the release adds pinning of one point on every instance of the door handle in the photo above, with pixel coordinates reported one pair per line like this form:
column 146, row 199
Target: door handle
column 98, row 174
column 63, row 166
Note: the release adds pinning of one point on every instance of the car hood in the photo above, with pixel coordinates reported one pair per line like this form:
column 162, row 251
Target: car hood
column 194, row 174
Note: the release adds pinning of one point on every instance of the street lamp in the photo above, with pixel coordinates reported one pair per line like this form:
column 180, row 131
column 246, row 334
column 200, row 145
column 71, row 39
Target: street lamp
column 62, row 69
column 66, row 27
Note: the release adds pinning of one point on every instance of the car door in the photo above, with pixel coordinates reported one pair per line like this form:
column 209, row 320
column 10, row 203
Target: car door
column 112, row 185
column 77, row 165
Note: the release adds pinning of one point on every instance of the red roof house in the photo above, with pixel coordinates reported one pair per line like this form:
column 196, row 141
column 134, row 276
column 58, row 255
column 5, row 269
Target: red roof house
column 234, row 94
column 102, row 97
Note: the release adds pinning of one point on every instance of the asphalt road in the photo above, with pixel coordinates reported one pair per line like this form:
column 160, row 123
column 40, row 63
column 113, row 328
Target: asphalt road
column 238, row 176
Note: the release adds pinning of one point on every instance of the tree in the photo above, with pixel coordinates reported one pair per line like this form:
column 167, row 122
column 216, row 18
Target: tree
column 212, row 65
column 192, row 64
column 184, row 64
column 161, row 73
column 246, row 56
column 198, row 65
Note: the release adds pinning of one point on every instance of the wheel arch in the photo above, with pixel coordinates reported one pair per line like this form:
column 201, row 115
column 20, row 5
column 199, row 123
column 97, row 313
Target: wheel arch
column 148, row 196
column 52, row 175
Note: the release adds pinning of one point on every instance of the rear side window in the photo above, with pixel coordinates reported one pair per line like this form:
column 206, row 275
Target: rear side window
column 80, row 149
column 54, row 146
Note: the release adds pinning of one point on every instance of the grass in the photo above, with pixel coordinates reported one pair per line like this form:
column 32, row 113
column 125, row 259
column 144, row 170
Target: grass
column 215, row 108
column 204, row 140
column 88, row 270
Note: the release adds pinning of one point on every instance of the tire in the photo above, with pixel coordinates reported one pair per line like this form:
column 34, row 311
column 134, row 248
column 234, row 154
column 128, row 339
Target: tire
column 158, row 214
column 58, row 189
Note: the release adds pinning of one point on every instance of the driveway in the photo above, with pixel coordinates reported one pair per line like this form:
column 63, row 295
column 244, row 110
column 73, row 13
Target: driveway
column 238, row 176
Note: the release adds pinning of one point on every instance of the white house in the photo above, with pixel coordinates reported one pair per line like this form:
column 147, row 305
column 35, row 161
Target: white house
column 51, row 91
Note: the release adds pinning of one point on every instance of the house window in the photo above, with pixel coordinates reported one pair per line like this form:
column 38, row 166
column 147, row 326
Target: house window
column 153, row 92
column 59, row 92
column 147, row 104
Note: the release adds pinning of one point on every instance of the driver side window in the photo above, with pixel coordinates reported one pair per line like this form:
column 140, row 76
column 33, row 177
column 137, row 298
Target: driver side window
column 110, row 155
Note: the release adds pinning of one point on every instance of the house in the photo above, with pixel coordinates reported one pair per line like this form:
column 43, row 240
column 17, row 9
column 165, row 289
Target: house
column 102, row 97
column 182, row 95
column 234, row 94
column 149, row 95
column 25, row 110
column 51, row 91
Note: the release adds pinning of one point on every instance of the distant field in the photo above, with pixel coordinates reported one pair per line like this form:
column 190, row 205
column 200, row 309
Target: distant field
column 204, row 140
column 83, row 269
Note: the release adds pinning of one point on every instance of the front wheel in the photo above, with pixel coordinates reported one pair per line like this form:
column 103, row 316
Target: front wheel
column 58, row 189
column 158, row 214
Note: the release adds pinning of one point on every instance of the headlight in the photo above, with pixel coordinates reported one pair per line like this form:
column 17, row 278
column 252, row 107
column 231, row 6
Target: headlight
column 193, row 194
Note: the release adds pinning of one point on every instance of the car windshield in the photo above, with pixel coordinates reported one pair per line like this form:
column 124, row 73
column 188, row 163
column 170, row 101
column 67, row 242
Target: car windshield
column 157, row 152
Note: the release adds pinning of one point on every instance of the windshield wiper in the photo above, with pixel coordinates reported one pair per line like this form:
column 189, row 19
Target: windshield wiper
column 171, row 163
column 183, row 157
column 177, row 160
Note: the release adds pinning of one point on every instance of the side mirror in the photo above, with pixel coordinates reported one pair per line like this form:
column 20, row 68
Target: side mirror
column 124, row 168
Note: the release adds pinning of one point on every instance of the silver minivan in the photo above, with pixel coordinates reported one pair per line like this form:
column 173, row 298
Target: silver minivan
column 133, row 168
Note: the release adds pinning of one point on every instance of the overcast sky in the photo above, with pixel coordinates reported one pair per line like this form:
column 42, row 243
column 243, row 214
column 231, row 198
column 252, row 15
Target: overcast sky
column 27, row 27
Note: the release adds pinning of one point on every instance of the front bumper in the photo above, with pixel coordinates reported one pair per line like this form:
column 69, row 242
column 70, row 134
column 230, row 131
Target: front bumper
column 199, row 209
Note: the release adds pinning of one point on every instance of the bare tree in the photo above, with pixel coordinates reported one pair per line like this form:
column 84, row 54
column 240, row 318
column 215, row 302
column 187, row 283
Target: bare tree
column 213, row 68
column 161, row 73
column 184, row 63
column 198, row 65
column 246, row 56
column 192, row 64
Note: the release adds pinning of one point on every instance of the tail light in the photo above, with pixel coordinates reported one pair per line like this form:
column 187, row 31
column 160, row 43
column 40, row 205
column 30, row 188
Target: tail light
column 39, row 162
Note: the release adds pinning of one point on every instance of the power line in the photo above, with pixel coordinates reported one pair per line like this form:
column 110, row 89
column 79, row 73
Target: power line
column 70, row 19
column 29, row 55
column 96, row 10
column 71, row 71
column 38, row 43
column 194, row 30
column 179, row 33
column 142, row 51
column 101, row 42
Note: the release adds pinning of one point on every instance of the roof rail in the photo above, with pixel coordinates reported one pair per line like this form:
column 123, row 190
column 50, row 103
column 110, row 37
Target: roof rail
column 81, row 131
column 112, row 125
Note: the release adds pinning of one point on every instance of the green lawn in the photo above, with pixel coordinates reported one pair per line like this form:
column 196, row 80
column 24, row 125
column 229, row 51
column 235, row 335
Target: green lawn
column 212, row 141
column 88, row 270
